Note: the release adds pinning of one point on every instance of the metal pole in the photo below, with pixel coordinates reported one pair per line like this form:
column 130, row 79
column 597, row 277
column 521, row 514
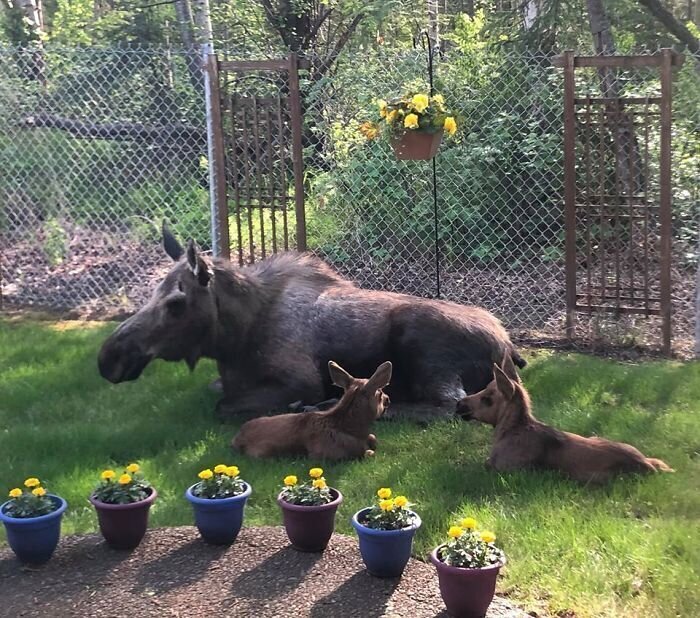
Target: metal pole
column 206, row 50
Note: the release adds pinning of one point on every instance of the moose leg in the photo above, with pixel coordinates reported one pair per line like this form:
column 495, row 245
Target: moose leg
column 338, row 446
column 372, row 442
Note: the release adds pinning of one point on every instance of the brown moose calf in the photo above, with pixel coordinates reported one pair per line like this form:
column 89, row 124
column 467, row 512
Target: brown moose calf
column 339, row 433
column 521, row 441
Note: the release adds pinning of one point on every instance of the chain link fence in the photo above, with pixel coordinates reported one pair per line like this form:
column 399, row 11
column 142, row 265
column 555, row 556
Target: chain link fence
column 109, row 142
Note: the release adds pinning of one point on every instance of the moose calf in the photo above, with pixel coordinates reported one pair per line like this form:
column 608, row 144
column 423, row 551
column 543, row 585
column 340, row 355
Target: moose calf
column 521, row 441
column 339, row 433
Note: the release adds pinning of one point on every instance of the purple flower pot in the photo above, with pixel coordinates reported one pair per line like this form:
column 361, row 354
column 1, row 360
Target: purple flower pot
column 124, row 525
column 219, row 520
column 385, row 552
column 34, row 539
column 467, row 593
column 309, row 528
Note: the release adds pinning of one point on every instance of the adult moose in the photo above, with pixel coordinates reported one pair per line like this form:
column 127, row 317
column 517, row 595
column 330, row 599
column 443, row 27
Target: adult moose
column 273, row 327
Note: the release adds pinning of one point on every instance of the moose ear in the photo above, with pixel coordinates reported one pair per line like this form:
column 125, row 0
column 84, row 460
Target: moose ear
column 172, row 247
column 381, row 377
column 509, row 369
column 339, row 376
column 197, row 265
column 503, row 383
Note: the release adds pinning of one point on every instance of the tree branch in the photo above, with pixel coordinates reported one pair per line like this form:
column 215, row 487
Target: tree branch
column 675, row 27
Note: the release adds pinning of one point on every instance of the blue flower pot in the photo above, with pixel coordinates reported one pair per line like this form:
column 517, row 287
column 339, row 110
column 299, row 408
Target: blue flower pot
column 385, row 552
column 219, row 520
column 34, row 539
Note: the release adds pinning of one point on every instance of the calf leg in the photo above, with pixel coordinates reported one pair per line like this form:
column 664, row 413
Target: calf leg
column 338, row 446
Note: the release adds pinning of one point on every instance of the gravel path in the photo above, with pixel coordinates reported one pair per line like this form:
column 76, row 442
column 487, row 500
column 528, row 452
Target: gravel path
column 173, row 573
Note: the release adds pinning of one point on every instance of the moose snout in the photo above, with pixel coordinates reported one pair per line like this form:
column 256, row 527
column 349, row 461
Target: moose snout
column 463, row 410
column 119, row 360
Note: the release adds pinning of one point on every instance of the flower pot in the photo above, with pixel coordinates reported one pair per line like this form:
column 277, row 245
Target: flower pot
column 385, row 552
column 416, row 145
column 467, row 593
column 309, row 528
column 219, row 520
column 34, row 539
column 124, row 525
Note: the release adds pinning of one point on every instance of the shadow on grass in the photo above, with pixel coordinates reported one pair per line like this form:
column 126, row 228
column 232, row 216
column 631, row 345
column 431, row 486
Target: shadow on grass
column 181, row 567
column 360, row 595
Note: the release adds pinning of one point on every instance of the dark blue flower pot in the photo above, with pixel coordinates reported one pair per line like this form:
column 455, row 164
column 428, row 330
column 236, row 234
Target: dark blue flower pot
column 385, row 552
column 219, row 520
column 34, row 539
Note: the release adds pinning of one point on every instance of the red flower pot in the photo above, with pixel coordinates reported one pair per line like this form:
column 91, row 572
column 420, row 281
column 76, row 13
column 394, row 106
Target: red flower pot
column 467, row 593
column 309, row 528
column 416, row 145
column 124, row 525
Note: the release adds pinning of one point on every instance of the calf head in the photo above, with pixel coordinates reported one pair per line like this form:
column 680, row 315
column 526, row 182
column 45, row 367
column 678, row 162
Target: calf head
column 177, row 323
column 503, row 395
column 363, row 399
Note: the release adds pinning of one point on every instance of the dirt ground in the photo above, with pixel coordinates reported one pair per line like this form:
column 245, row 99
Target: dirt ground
column 175, row 574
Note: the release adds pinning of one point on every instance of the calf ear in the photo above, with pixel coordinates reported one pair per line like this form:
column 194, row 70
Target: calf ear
column 172, row 247
column 503, row 383
column 509, row 369
column 381, row 377
column 339, row 376
column 197, row 265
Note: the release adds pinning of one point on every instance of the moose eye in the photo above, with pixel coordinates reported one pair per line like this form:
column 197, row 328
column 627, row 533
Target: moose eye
column 487, row 401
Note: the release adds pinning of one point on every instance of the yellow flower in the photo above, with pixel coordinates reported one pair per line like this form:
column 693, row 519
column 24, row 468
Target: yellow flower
column 450, row 125
column 411, row 121
column 386, row 505
column 124, row 479
column 384, row 493
column 400, row 501
column 487, row 536
column 15, row 493
column 220, row 469
column 420, row 102
column 205, row 474
column 391, row 116
column 316, row 473
column 108, row 475
column 469, row 523
column 133, row 468
column 232, row 471
column 382, row 107
column 455, row 532
column 32, row 482
column 39, row 491
column 290, row 480
column 319, row 483
column 369, row 130
column 439, row 99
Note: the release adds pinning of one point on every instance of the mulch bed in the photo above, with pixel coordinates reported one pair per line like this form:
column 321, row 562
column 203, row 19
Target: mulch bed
column 174, row 573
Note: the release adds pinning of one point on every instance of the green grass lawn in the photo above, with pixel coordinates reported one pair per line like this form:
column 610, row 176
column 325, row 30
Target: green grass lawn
column 629, row 549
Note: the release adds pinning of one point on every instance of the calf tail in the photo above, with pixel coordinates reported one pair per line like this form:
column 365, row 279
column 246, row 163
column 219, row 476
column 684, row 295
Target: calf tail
column 658, row 465
column 518, row 360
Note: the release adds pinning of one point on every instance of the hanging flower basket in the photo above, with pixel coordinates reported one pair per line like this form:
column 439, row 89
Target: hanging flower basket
column 416, row 145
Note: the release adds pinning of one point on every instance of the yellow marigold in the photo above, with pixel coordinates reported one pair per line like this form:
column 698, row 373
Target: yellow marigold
column 316, row 473
column 32, row 482
column 420, row 102
column 391, row 116
column 290, row 480
column 125, row 479
column 319, row 483
column 487, row 536
column 386, row 505
column 39, row 491
column 220, row 469
column 411, row 121
column 205, row 474
column 469, row 523
column 369, row 130
column 382, row 107
column 439, row 99
column 455, row 532
column 108, row 475
column 133, row 468
column 450, row 125
column 384, row 493
column 232, row 471
column 15, row 493
column 400, row 501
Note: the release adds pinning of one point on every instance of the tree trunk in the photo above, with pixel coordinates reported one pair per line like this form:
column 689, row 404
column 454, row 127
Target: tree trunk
column 671, row 24
column 183, row 13
column 34, row 18
column 433, row 23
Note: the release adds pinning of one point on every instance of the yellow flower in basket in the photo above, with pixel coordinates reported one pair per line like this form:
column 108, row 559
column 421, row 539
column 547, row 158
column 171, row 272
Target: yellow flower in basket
column 420, row 102
column 450, row 125
column 411, row 121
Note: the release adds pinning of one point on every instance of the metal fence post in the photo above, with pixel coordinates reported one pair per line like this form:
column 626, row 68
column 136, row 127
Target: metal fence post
column 570, row 192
